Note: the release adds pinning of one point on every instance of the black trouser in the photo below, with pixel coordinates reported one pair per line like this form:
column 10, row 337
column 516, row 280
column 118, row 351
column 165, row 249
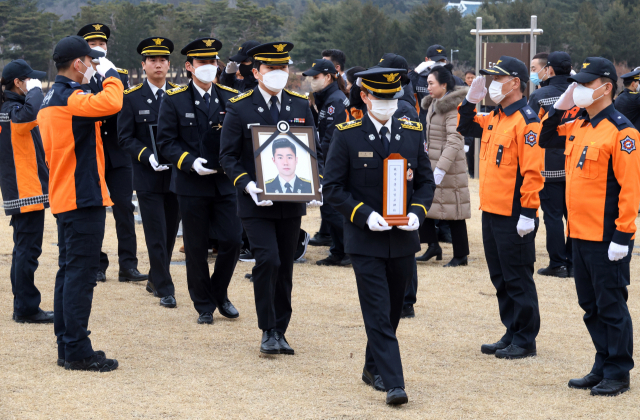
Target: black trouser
column 381, row 286
column 27, row 247
column 459, row 238
column 410, row 297
column 602, row 294
column 80, row 235
column 335, row 220
column 273, row 245
column 510, row 259
column 160, row 221
column 324, row 227
column 471, row 155
column 198, row 214
column 120, row 184
column 554, row 205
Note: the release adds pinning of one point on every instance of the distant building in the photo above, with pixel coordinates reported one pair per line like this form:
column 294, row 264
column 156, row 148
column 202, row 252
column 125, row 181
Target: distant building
column 465, row 7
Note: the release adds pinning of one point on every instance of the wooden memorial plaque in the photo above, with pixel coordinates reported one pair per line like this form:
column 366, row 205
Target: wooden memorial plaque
column 394, row 202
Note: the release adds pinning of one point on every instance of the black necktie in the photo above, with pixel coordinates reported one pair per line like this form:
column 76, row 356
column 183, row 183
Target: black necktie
column 383, row 136
column 287, row 186
column 275, row 114
column 206, row 99
column 160, row 96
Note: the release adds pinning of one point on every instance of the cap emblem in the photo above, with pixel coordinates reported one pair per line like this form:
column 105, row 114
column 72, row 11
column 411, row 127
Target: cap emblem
column 158, row 41
column 97, row 26
column 498, row 62
column 390, row 77
column 208, row 42
column 279, row 47
column 585, row 65
column 439, row 51
column 313, row 65
column 240, row 49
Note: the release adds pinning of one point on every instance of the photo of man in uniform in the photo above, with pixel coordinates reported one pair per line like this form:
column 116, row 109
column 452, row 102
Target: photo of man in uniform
column 286, row 160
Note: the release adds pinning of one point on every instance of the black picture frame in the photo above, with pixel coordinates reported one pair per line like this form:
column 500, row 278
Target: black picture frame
column 153, row 131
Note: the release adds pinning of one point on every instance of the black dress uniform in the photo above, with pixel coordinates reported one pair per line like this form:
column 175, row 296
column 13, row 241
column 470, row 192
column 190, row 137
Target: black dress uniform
column 158, row 205
column 189, row 128
column 118, row 174
column 272, row 230
column 628, row 102
column 383, row 262
column 300, row 186
column 248, row 82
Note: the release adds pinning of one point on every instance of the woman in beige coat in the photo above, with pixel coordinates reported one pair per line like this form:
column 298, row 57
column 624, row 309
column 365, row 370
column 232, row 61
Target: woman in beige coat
column 451, row 201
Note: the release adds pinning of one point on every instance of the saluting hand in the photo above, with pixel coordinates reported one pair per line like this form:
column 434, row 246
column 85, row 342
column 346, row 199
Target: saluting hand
column 232, row 67
column 414, row 223
column 477, row 91
column 566, row 99
column 104, row 66
column 253, row 191
column 33, row 83
column 377, row 223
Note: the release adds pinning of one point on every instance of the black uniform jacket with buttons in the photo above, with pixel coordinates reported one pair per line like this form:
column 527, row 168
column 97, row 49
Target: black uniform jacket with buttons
column 332, row 104
column 300, row 186
column 407, row 104
column 109, row 129
column 628, row 104
column 353, row 184
column 188, row 130
column 139, row 111
column 236, row 147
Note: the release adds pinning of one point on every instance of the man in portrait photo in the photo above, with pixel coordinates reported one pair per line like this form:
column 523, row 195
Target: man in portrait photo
column 287, row 182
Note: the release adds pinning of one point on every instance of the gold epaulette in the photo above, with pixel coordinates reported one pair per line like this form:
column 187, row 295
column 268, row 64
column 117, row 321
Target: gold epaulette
column 227, row 88
column 242, row 96
column 174, row 85
column 299, row 95
column 350, row 124
column 411, row 125
column 177, row 90
column 304, row 180
column 270, row 181
column 133, row 89
column 122, row 71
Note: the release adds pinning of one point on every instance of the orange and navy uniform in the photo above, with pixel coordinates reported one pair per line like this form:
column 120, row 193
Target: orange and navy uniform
column 70, row 121
column 511, row 160
column 602, row 167
column 24, row 178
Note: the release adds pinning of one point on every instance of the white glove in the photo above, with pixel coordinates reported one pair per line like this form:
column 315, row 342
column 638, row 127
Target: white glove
column 414, row 223
column 466, row 148
column 253, row 191
column 33, row 83
column 377, row 223
column 477, row 91
column 232, row 67
column 198, row 166
column 154, row 164
column 617, row 252
column 104, row 66
column 316, row 203
column 438, row 174
column 566, row 99
column 525, row 225
column 426, row 65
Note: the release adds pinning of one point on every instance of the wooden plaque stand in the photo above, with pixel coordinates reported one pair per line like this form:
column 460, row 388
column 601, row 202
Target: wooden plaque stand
column 394, row 203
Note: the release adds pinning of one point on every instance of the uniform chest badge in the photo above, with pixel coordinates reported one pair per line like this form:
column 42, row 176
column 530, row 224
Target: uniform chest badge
column 372, row 137
column 217, row 100
column 398, row 137
column 331, row 110
column 260, row 109
column 197, row 102
column 288, row 108
column 149, row 101
column 404, row 117
column 628, row 145
column 409, row 174
column 531, row 138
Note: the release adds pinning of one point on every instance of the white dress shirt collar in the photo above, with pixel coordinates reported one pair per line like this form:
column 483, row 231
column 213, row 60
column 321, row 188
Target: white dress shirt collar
column 154, row 88
column 267, row 97
column 202, row 91
column 379, row 126
column 292, row 183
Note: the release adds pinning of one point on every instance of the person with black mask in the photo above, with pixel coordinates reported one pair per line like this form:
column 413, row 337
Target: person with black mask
column 357, row 108
column 243, row 63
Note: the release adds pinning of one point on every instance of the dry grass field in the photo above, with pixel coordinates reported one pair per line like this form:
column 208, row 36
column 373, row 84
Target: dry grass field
column 172, row 368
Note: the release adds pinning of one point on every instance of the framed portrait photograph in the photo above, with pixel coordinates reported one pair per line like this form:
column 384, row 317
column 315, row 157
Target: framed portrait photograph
column 153, row 129
column 286, row 163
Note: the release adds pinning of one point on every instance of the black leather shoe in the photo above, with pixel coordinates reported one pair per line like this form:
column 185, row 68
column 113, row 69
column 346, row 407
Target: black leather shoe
column 227, row 310
column 561, row 272
column 611, row 387
column 571, row 272
column 40, row 317
column 331, row 260
column 101, row 276
column 205, row 318
column 434, row 250
column 269, row 344
column 132, row 274
column 514, row 352
column 457, row 262
column 60, row 362
column 169, row 302
column 100, row 353
column 249, row 276
column 397, row 396
column 285, row 348
column 152, row 289
column 492, row 348
column 587, row 382
column 320, row 240
column 408, row 312
column 96, row 363
column 372, row 380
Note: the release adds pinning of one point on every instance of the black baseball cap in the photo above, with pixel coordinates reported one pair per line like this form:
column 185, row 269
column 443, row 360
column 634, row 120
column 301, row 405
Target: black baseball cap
column 72, row 47
column 594, row 67
column 634, row 75
column 321, row 66
column 393, row 61
column 436, row 53
column 508, row 66
column 241, row 54
column 558, row 59
column 19, row 69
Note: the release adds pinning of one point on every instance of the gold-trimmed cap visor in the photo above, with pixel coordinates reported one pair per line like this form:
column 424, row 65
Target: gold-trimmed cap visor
column 383, row 82
column 203, row 48
column 272, row 52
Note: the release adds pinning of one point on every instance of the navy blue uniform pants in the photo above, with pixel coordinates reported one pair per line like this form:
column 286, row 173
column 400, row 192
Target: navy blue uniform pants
column 27, row 247
column 554, row 205
column 80, row 235
column 602, row 294
column 510, row 259
column 335, row 221
column 411, row 293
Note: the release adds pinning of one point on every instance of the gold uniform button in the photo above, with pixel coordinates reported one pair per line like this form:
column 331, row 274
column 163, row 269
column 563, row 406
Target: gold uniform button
column 365, row 165
column 409, row 164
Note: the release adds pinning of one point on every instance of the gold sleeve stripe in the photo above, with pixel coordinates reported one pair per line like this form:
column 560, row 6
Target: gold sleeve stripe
column 354, row 211
column 181, row 159
column 238, row 177
column 423, row 208
column 320, row 176
column 140, row 154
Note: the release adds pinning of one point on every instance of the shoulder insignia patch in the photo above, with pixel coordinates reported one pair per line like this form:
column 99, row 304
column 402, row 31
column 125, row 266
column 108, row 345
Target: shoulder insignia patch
column 171, row 92
column 122, row 71
column 241, row 96
column 223, row 87
column 628, row 145
column 299, row 95
column 411, row 125
column 620, row 121
column 174, row 85
column 303, row 179
column 350, row 124
column 270, row 181
column 529, row 115
column 346, row 102
column 531, row 138
column 133, row 89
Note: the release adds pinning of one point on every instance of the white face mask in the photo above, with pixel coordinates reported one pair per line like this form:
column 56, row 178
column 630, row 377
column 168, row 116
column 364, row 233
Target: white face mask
column 383, row 109
column 99, row 49
column 495, row 91
column 87, row 74
column 318, row 84
column 638, row 88
column 275, row 80
column 206, row 73
column 583, row 96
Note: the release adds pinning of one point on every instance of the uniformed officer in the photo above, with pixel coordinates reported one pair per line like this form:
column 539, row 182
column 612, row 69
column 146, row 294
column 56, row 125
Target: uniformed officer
column 603, row 196
column 152, row 175
column 272, row 227
column 244, row 64
column 511, row 179
column 286, row 160
column 191, row 119
column 383, row 258
column 118, row 172
column 628, row 102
